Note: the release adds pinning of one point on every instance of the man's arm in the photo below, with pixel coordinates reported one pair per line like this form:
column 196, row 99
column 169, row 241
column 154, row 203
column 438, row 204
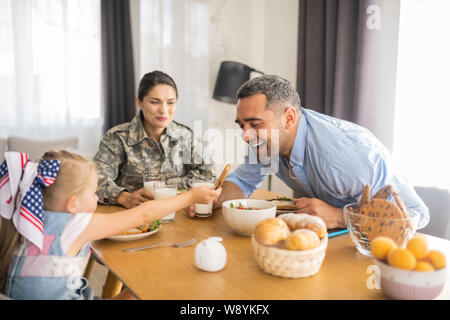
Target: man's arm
column 230, row 191
column 332, row 216
column 415, row 205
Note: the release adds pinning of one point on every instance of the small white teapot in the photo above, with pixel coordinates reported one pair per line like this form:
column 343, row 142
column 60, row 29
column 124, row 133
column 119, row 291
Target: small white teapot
column 210, row 255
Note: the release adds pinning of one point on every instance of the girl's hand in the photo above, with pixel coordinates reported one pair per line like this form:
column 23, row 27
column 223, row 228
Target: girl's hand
column 190, row 211
column 131, row 200
column 205, row 195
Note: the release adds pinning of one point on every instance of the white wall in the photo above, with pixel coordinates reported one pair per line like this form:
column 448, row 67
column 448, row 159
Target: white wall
column 261, row 34
column 264, row 35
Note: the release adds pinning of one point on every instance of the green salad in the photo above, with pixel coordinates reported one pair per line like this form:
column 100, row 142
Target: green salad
column 240, row 206
column 280, row 199
column 154, row 225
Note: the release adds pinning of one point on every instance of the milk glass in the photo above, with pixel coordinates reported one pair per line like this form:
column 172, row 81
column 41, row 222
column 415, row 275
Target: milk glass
column 151, row 180
column 203, row 210
column 164, row 191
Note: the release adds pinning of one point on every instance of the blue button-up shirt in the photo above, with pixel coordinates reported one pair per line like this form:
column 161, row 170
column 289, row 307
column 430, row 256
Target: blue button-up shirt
column 332, row 160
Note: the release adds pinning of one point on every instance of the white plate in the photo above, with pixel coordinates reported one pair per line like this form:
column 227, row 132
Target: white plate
column 130, row 237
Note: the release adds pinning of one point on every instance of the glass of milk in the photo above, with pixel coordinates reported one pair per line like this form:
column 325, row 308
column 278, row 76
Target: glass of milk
column 203, row 210
column 164, row 191
column 151, row 180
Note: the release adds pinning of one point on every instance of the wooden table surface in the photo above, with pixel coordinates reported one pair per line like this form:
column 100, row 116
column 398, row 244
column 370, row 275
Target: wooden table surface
column 170, row 273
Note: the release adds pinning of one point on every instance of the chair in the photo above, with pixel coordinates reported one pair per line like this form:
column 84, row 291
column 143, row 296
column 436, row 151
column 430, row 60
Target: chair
column 438, row 202
column 36, row 148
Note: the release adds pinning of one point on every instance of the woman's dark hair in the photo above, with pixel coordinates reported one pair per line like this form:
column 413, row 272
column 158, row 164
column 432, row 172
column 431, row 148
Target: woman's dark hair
column 152, row 79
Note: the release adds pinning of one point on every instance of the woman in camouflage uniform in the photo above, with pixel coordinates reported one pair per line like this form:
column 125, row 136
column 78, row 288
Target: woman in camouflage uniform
column 151, row 143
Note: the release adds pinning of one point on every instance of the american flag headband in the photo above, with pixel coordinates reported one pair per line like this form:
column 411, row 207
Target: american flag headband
column 21, row 181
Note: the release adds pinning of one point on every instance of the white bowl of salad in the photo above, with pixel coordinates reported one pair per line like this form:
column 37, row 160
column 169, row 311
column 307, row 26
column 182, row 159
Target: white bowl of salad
column 242, row 215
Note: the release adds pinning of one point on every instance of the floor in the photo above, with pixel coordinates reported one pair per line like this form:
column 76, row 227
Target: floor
column 97, row 278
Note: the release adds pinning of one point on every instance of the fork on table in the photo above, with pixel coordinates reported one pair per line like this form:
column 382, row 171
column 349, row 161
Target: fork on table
column 171, row 244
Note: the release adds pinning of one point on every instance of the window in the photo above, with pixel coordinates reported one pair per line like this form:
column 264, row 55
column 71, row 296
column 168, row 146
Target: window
column 422, row 127
column 174, row 38
column 50, row 70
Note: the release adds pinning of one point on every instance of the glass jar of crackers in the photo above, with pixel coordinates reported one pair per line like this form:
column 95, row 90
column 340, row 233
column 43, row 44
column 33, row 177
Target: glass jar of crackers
column 379, row 216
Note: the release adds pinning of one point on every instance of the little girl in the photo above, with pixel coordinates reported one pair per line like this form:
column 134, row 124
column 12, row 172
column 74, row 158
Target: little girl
column 70, row 224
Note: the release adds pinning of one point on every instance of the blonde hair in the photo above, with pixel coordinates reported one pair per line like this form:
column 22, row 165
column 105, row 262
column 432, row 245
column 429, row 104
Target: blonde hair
column 72, row 179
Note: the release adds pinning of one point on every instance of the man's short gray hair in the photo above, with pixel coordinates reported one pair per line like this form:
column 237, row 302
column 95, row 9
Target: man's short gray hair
column 277, row 90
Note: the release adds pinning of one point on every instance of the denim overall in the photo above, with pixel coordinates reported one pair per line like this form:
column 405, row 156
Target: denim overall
column 48, row 274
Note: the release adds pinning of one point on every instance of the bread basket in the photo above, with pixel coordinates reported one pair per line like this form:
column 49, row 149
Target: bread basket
column 289, row 263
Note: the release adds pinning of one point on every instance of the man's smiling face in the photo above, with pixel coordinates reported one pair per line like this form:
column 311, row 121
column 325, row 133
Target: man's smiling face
column 260, row 126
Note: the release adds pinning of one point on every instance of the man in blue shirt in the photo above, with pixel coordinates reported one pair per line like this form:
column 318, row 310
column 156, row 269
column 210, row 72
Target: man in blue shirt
column 324, row 160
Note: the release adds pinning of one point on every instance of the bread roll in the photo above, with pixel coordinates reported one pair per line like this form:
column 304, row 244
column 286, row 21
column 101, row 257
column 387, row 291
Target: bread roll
column 383, row 193
column 275, row 221
column 302, row 239
column 305, row 221
column 269, row 233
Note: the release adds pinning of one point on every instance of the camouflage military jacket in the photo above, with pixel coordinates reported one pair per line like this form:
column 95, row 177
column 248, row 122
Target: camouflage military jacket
column 126, row 153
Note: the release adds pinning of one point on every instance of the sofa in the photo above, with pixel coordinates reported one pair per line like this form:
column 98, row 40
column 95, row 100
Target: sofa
column 35, row 148
column 2, row 149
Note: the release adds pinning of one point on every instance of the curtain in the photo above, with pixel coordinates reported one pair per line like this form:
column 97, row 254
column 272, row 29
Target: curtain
column 50, row 70
column 174, row 38
column 117, row 63
column 347, row 53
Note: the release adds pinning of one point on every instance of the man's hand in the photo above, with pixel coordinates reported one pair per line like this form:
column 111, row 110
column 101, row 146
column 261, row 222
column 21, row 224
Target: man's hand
column 333, row 217
column 131, row 200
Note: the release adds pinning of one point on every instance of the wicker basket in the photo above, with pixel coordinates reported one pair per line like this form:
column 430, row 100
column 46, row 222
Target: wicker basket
column 289, row 263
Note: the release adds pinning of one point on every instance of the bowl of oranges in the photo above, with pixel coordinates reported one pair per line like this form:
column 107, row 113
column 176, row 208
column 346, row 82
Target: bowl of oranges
column 412, row 272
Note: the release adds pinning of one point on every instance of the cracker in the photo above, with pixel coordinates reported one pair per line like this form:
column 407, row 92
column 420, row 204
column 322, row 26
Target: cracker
column 372, row 223
column 401, row 204
column 404, row 209
column 222, row 177
column 383, row 193
column 379, row 208
column 365, row 195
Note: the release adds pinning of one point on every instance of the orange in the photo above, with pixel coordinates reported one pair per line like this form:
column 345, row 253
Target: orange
column 380, row 247
column 418, row 247
column 436, row 258
column 401, row 258
column 423, row 266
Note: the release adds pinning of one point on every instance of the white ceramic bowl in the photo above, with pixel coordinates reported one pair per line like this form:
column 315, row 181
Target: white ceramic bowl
column 243, row 222
column 410, row 285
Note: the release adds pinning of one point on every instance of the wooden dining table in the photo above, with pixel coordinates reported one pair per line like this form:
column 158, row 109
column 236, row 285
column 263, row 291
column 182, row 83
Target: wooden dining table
column 170, row 273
